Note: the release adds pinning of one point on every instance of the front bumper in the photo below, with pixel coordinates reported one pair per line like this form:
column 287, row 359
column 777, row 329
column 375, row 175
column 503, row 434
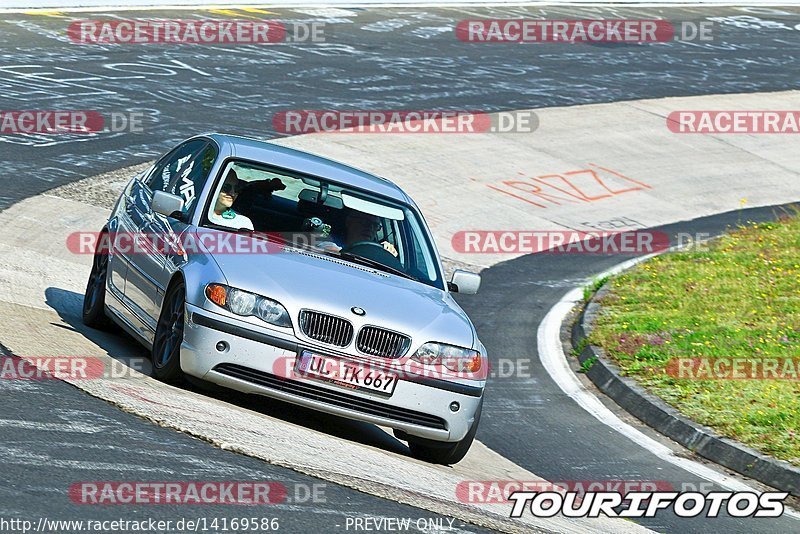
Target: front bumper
column 257, row 360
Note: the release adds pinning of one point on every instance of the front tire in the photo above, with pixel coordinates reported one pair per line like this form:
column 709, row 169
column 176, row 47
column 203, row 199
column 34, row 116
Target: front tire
column 94, row 298
column 443, row 452
column 169, row 336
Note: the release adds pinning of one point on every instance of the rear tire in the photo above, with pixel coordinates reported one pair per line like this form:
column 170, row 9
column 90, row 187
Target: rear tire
column 169, row 336
column 444, row 452
column 94, row 298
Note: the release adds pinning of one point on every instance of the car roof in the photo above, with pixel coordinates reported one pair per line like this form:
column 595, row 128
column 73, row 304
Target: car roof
column 306, row 163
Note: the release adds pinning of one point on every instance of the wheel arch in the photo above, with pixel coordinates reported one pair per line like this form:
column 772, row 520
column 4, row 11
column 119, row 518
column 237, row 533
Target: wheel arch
column 177, row 277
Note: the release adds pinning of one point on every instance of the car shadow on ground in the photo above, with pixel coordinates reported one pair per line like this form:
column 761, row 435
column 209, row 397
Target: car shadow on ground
column 119, row 345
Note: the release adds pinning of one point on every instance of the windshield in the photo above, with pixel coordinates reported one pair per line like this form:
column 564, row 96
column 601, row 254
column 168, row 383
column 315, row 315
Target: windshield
column 327, row 217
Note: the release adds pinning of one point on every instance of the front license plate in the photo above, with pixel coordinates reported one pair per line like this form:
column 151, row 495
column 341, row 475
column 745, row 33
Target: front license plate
column 346, row 373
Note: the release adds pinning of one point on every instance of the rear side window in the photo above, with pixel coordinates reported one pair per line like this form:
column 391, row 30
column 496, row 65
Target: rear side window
column 184, row 171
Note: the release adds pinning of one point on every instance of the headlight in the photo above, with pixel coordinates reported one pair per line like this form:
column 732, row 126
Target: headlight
column 245, row 304
column 271, row 311
column 241, row 302
column 457, row 359
column 427, row 354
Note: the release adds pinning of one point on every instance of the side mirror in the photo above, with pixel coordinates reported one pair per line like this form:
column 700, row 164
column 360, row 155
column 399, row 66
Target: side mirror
column 166, row 204
column 464, row 282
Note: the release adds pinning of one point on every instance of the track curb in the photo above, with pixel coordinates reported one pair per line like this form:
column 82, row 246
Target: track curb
column 668, row 421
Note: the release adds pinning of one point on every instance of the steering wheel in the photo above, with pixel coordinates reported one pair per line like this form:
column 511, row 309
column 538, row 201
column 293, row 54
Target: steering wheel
column 374, row 251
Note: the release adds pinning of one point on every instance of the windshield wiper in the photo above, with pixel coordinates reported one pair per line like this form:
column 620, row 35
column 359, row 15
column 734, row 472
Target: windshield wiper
column 355, row 258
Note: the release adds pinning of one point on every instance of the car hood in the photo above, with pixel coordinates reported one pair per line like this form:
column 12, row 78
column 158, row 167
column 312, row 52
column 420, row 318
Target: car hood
column 306, row 280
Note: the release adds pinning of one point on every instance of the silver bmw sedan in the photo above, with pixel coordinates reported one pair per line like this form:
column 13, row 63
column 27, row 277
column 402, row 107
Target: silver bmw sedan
column 277, row 272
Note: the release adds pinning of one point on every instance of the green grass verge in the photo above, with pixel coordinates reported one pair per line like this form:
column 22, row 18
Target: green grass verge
column 736, row 298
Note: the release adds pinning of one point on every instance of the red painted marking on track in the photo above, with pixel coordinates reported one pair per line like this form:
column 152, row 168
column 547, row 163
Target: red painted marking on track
column 571, row 186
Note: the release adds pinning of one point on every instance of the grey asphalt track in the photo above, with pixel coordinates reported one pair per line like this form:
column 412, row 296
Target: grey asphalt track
column 535, row 424
column 375, row 59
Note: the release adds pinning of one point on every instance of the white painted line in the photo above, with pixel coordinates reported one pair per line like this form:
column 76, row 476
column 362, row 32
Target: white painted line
column 554, row 359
